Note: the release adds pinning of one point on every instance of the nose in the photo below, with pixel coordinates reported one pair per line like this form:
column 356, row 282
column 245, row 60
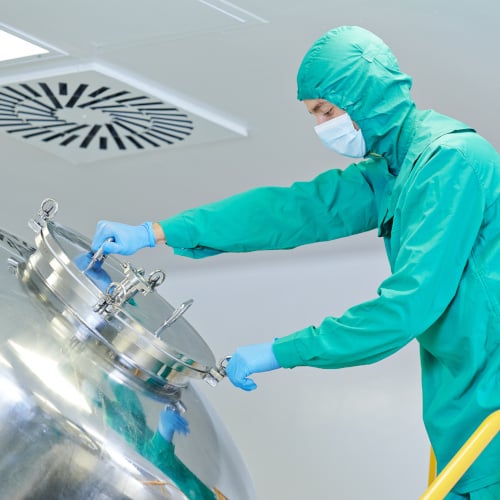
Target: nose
column 322, row 119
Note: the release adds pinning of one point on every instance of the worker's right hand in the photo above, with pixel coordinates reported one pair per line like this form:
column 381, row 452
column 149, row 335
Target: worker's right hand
column 124, row 239
column 250, row 359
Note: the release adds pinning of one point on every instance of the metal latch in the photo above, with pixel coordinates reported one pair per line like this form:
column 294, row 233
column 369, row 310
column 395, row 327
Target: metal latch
column 217, row 373
column 134, row 282
column 47, row 210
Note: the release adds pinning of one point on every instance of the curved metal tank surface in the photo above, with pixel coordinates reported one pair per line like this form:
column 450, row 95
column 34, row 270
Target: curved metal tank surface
column 93, row 365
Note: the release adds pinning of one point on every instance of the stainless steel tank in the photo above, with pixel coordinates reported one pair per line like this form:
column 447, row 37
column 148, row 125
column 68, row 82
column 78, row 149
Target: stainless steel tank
column 91, row 362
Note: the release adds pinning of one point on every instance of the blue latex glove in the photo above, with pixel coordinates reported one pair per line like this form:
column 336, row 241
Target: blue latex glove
column 170, row 422
column 98, row 275
column 126, row 239
column 250, row 359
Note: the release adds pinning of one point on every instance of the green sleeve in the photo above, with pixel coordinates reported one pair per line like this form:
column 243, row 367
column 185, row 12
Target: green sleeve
column 335, row 204
column 435, row 225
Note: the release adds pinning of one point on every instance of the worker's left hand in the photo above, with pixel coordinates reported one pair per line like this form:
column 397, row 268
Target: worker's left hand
column 123, row 239
column 250, row 359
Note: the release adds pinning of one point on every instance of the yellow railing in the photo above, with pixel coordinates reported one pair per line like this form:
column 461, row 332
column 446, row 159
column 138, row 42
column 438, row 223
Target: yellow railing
column 462, row 460
column 432, row 467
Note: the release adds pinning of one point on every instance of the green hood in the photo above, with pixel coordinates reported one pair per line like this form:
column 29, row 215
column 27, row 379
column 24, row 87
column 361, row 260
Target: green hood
column 355, row 70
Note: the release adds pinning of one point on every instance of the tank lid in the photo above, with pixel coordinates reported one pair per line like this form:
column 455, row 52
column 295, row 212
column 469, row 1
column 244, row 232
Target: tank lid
column 117, row 304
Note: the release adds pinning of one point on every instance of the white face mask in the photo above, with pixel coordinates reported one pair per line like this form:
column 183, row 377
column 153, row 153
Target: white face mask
column 340, row 135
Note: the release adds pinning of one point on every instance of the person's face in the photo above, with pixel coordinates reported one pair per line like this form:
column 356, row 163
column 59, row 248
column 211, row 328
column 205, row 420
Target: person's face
column 323, row 110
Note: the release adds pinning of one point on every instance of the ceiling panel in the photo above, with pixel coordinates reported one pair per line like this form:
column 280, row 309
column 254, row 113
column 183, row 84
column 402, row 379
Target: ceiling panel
column 115, row 23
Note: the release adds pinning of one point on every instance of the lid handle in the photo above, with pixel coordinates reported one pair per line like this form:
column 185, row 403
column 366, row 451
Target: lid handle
column 178, row 312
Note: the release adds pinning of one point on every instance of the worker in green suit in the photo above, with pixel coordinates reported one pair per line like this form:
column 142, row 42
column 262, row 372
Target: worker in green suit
column 431, row 186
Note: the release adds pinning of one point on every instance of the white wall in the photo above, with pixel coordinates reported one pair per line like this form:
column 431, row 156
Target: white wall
column 305, row 433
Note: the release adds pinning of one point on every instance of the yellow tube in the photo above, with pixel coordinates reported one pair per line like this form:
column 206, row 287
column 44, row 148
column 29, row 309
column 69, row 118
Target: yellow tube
column 464, row 458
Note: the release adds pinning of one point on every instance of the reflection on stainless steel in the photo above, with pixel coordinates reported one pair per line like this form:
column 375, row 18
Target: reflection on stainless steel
column 97, row 257
column 81, row 392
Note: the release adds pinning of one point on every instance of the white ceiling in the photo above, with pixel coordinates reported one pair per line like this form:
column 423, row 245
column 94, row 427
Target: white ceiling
column 234, row 61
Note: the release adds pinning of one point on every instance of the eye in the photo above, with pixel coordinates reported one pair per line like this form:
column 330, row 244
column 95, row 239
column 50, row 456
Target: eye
column 328, row 112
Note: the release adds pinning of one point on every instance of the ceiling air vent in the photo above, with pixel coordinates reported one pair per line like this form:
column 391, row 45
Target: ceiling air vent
column 89, row 116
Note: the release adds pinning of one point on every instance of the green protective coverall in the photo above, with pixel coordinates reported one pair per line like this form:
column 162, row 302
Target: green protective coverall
column 431, row 185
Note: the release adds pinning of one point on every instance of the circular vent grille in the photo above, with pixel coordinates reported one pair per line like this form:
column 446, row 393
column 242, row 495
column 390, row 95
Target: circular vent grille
column 90, row 116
